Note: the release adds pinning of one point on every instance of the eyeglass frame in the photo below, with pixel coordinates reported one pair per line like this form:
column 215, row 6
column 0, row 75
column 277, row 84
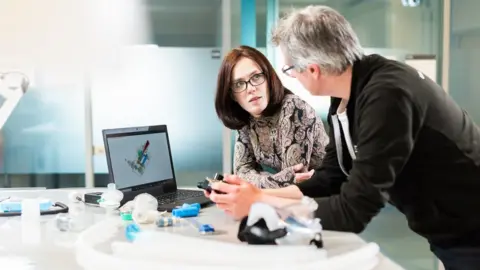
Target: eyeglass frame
column 249, row 82
column 287, row 70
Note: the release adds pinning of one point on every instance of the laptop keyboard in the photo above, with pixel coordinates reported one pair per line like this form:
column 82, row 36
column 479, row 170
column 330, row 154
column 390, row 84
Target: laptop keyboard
column 180, row 195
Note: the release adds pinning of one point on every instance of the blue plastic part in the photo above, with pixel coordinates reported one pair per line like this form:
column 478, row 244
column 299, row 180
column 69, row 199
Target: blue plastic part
column 131, row 231
column 206, row 228
column 16, row 206
column 165, row 222
column 196, row 205
column 185, row 212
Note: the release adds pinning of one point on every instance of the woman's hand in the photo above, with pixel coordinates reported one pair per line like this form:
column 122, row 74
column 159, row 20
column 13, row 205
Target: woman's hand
column 301, row 174
column 239, row 196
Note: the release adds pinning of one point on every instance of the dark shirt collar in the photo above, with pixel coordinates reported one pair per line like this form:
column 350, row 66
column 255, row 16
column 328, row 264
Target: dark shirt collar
column 362, row 71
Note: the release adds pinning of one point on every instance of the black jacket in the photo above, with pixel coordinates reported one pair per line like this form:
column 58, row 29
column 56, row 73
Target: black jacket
column 416, row 149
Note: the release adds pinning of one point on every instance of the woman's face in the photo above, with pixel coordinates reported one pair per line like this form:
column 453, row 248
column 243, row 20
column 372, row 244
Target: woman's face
column 249, row 87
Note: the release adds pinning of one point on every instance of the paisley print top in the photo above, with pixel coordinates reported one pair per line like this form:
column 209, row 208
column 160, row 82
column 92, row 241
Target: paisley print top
column 294, row 135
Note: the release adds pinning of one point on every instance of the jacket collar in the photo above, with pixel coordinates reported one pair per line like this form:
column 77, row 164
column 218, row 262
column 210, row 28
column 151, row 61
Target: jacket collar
column 362, row 71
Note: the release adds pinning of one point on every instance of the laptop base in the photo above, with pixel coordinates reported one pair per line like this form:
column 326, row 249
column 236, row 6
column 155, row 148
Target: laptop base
column 166, row 203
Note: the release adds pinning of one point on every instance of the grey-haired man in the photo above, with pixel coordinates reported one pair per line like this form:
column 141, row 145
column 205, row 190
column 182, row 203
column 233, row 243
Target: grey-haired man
column 396, row 137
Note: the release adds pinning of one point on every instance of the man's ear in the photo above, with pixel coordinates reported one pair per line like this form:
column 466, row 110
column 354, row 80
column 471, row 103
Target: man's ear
column 314, row 70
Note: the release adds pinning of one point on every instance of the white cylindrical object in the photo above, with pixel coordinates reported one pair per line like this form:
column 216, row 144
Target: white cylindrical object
column 31, row 230
column 30, row 210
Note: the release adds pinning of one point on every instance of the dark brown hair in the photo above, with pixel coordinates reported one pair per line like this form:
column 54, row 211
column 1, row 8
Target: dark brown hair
column 228, row 110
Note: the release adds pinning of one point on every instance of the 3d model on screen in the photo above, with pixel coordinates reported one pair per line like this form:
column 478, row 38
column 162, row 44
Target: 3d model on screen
column 292, row 225
column 142, row 158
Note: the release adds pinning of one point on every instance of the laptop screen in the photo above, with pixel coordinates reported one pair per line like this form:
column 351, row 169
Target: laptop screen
column 138, row 159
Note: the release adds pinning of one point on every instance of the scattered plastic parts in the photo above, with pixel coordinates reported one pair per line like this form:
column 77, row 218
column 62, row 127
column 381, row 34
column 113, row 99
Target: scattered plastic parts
column 186, row 210
column 131, row 231
column 202, row 228
column 167, row 221
column 195, row 205
column 291, row 225
column 206, row 229
column 75, row 197
column 145, row 202
column 15, row 205
column 126, row 216
column 111, row 198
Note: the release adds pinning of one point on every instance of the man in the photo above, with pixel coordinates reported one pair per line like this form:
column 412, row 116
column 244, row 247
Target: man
column 395, row 137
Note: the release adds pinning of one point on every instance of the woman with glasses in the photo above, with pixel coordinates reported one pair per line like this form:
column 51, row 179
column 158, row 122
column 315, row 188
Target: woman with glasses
column 276, row 129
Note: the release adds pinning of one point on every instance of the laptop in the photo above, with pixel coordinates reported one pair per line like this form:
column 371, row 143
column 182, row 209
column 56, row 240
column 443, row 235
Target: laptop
column 140, row 160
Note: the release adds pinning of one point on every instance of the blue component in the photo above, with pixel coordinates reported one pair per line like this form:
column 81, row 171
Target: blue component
column 16, row 205
column 206, row 228
column 196, row 205
column 144, row 159
column 185, row 212
column 131, row 231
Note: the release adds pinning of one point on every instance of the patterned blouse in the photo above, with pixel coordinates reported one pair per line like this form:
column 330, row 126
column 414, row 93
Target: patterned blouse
column 294, row 135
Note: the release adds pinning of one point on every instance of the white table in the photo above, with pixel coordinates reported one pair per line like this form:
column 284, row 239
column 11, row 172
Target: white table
column 56, row 249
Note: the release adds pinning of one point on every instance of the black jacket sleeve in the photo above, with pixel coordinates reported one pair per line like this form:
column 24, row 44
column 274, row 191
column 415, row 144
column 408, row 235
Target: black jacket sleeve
column 387, row 125
column 328, row 178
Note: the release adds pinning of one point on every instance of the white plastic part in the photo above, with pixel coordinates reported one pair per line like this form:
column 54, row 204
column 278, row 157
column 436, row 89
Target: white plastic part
column 145, row 217
column 112, row 197
column 145, row 202
column 145, row 209
column 30, row 210
column 75, row 197
column 163, row 250
column 31, row 230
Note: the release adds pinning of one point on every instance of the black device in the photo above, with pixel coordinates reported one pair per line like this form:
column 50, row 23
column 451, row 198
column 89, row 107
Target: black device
column 140, row 160
column 92, row 198
column 206, row 184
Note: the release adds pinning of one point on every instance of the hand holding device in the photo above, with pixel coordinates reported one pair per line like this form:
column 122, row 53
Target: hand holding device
column 206, row 184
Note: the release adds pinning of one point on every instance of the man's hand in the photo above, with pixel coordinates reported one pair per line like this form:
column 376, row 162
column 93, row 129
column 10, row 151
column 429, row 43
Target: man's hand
column 301, row 174
column 240, row 195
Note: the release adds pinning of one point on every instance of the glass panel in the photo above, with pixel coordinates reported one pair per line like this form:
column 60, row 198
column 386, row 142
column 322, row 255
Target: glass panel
column 383, row 27
column 44, row 138
column 169, row 82
column 389, row 28
column 465, row 55
column 185, row 23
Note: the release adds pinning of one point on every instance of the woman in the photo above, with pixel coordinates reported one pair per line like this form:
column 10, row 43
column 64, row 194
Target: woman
column 276, row 129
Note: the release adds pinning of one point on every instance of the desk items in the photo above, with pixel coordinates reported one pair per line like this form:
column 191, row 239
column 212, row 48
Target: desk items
column 186, row 210
column 291, row 225
column 93, row 198
column 167, row 250
column 110, row 199
column 12, row 206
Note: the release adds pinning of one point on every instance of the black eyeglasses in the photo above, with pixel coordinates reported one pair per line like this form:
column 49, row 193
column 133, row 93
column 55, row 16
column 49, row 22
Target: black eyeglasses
column 255, row 80
column 288, row 70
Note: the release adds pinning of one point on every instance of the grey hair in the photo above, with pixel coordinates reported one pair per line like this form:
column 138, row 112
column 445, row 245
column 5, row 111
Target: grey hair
column 318, row 35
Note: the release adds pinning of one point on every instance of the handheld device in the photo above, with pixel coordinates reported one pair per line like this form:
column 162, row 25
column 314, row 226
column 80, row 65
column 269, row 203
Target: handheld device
column 206, row 184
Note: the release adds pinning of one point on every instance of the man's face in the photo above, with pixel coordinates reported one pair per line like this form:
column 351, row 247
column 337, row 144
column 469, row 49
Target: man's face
column 309, row 78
